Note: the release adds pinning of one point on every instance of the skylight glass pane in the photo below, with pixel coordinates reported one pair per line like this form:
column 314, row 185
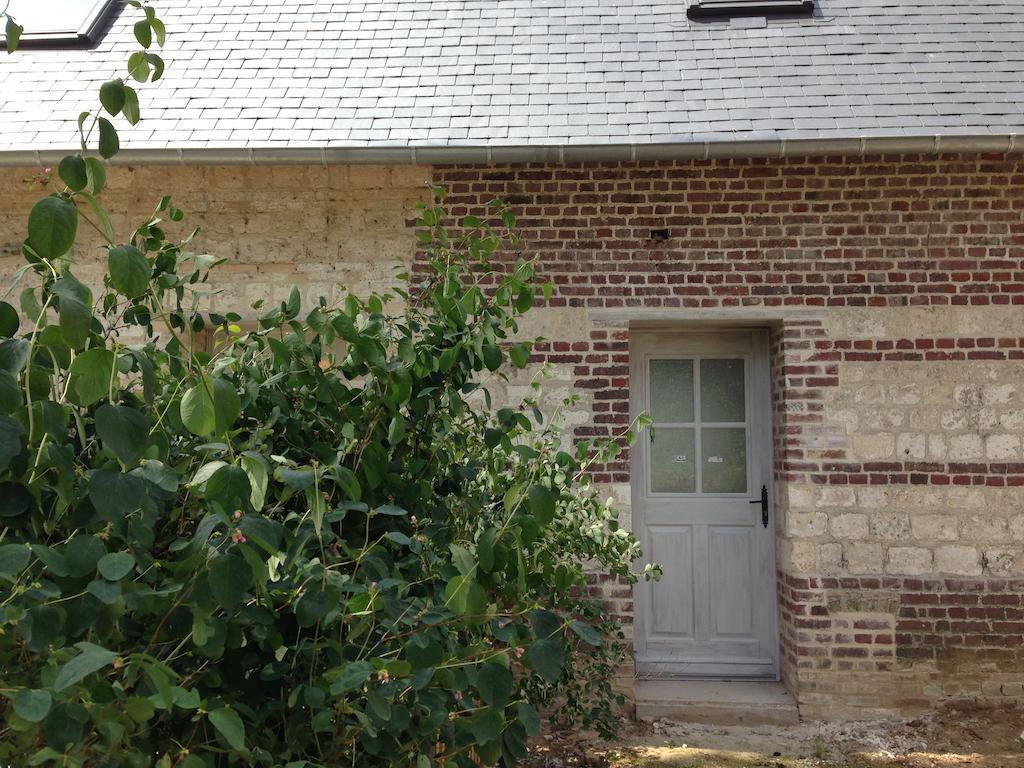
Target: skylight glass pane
column 57, row 18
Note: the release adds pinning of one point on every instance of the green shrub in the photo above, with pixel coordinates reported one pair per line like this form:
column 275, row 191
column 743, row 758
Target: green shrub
column 320, row 545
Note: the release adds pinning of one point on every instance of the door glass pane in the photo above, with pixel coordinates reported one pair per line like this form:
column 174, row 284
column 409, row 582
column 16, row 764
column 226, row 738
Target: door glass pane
column 672, row 390
column 724, row 460
column 722, row 391
column 672, row 461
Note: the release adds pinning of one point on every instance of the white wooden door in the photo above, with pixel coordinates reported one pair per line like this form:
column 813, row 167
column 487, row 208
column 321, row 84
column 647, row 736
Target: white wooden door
column 694, row 476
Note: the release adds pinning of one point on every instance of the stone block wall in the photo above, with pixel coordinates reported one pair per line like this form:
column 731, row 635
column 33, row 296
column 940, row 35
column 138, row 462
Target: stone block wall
column 894, row 291
column 319, row 227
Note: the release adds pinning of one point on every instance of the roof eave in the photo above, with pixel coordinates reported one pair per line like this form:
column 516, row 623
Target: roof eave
column 551, row 153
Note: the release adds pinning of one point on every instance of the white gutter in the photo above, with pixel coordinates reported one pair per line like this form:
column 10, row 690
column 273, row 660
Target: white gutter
column 566, row 153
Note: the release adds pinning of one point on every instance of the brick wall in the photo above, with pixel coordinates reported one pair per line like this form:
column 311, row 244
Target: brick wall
column 894, row 290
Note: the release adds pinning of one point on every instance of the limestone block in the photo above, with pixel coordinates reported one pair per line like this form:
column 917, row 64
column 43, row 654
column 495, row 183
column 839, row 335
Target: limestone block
column 863, row 557
column 911, row 445
column 1002, row 447
column 998, row 393
column 904, row 394
column 870, row 447
column 830, row 559
column 1012, row 421
column 799, row 496
column 957, row 559
column 966, row 446
column 882, row 418
column 937, row 447
column 909, row 561
column 832, row 496
column 983, row 528
column 890, row 526
column 806, row 525
column 1002, row 561
column 1016, row 528
column 934, row 527
column 853, row 526
column 800, row 556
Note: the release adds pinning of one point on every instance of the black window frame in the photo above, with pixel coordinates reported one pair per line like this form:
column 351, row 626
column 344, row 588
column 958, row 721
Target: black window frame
column 713, row 9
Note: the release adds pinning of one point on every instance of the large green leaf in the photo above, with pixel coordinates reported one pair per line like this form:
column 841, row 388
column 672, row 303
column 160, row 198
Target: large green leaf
column 486, row 725
column 529, row 717
column 138, row 66
column 12, row 33
column 52, row 225
column 129, row 270
column 11, row 393
column 32, row 705
column 464, row 595
column 352, row 676
column 91, row 373
column 212, row 405
column 9, row 320
column 12, row 440
column 198, row 413
column 255, row 467
column 72, row 172
column 75, row 309
column 494, row 682
column 109, row 144
column 115, row 495
column 124, row 431
column 13, row 558
column 226, row 404
column 96, row 174
column 112, row 95
column 114, row 566
column 82, row 554
column 14, row 355
column 131, row 105
column 541, row 503
column 91, row 659
column 230, row 579
column 144, row 33
column 15, row 499
column 586, row 633
column 230, row 726
column 229, row 486
column 547, row 657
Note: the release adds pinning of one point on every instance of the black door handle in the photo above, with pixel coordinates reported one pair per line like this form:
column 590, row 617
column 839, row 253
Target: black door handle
column 763, row 501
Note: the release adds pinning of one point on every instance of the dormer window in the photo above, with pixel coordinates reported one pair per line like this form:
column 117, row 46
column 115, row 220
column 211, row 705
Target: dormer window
column 705, row 9
column 61, row 23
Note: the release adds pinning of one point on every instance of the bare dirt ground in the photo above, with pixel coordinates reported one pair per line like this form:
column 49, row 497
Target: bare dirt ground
column 966, row 736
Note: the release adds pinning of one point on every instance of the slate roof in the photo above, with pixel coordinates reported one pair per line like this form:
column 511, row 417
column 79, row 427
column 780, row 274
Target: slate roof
column 400, row 73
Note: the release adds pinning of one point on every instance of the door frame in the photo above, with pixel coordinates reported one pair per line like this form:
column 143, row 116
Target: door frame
column 760, row 397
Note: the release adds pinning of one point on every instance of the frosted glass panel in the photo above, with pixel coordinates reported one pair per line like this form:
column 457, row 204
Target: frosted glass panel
column 672, row 461
column 722, row 392
column 724, row 460
column 672, row 390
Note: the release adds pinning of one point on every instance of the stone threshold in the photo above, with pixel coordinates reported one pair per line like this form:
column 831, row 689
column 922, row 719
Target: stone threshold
column 715, row 702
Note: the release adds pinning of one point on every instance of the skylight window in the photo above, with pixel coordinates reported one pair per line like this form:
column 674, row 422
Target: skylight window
column 703, row 9
column 61, row 22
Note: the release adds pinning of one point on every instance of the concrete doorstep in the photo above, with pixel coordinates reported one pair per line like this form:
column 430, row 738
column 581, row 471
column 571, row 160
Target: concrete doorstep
column 715, row 702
